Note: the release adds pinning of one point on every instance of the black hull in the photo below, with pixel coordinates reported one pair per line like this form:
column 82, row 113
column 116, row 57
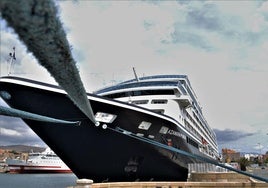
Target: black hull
column 98, row 154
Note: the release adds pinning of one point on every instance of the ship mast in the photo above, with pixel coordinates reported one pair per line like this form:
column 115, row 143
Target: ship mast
column 135, row 74
column 12, row 58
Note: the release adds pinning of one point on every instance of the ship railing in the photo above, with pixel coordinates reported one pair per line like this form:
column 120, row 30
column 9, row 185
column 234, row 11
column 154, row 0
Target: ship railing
column 204, row 168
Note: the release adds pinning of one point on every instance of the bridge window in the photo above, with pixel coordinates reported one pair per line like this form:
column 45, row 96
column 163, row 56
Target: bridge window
column 140, row 93
column 159, row 101
column 140, row 102
column 160, row 111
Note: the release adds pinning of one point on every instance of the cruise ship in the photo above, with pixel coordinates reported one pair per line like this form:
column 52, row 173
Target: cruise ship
column 160, row 108
column 44, row 162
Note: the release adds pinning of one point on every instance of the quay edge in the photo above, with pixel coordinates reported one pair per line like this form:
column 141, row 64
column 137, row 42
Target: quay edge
column 196, row 180
column 175, row 184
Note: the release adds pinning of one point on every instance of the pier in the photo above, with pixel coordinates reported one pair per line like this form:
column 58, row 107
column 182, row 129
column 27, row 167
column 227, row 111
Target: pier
column 196, row 180
column 201, row 175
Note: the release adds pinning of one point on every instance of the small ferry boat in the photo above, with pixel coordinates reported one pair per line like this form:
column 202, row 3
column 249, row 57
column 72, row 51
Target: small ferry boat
column 161, row 108
column 45, row 162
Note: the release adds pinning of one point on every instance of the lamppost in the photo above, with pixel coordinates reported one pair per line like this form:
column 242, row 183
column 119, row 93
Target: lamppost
column 260, row 157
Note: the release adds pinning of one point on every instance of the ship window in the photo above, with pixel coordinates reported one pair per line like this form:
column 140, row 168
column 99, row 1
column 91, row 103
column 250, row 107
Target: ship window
column 159, row 101
column 140, row 93
column 136, row 93
column 160, row 111
column 140, row 102
column 144, row 125
column 193, row 143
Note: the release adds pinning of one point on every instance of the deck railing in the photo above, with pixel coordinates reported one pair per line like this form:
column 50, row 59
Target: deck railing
column 204, row 167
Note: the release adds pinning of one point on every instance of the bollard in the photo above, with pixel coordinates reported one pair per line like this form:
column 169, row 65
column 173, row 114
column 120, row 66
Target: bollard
column 84, row 183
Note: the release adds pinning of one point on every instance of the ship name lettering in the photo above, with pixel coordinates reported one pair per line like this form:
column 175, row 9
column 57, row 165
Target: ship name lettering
column 175, row 133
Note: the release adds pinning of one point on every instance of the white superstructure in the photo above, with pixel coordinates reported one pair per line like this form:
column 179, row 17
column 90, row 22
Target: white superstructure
column 173, row 96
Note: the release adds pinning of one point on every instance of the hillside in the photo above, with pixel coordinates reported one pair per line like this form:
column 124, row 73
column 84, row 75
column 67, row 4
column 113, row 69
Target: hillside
column 23, row 148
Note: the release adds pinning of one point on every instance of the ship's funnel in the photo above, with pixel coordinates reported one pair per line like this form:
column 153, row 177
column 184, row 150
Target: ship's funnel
column 38, row 26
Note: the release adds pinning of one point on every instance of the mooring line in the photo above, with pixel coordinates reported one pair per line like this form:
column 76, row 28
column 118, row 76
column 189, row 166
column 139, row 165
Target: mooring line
column 170, row 148
column 27, row 115
column 29, row 21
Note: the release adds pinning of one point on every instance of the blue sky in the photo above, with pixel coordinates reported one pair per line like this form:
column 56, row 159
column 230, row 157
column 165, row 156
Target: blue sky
column 221, row 45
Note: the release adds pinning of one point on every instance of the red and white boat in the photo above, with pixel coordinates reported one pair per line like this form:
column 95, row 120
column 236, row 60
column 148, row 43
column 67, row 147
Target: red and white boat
column 45, row 162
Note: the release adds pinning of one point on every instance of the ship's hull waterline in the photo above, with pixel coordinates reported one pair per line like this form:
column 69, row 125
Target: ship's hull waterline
column 32, row 169
column 97, row 153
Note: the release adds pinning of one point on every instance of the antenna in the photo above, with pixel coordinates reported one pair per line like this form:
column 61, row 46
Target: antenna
column 135, row 74
column 12, row 57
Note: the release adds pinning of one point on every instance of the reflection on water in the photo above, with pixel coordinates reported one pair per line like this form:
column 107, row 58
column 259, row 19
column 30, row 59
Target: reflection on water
column 65, row 180
column 37, row 180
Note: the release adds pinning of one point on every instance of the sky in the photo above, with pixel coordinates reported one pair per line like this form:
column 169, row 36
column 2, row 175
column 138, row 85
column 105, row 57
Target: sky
column 222, row 46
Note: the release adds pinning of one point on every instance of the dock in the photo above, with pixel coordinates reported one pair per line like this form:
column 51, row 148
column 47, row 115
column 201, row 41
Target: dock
column 196, row 180
column 202, row 175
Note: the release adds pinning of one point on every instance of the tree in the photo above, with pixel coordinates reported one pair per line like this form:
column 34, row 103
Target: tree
column 244, row 162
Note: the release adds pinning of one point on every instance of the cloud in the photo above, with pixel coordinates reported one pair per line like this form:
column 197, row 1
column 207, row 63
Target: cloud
column 15, row 131
column 192, row 39
column 220, row 26
column 205, row 17
column 9, row 132
column 229, row 135
column 222, row 49
column 243, row 141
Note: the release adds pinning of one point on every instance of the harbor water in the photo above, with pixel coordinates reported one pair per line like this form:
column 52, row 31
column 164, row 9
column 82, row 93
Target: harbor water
column 64, row 180
column 37, row 180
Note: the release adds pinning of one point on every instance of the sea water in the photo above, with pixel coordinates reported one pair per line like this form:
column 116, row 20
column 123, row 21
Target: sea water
column 37, row 180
